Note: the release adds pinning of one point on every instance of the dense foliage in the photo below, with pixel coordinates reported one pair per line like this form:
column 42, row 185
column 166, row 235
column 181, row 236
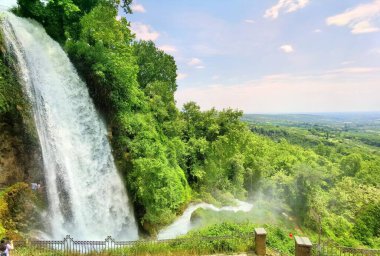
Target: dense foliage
column 11, row 95
column 343, row 188
column 18, row 212
column 170, row 156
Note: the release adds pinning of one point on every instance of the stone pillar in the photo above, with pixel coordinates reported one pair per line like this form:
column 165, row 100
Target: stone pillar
column 303, row 246
column 260, row 241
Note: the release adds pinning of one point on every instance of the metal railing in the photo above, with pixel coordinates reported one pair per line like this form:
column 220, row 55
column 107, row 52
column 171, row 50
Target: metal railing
column 110, row 247
column 332, row 249
column 179, row 246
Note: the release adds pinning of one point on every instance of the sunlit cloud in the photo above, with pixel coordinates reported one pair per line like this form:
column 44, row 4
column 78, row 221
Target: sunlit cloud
column 361, row 19
column 181, row 76
column 249, row 21
column 375, row 50
column 364, row 27
column 285, row 6
column 287, row 48
column 144, row 32
column 194, row 62
column 168, row 48
column 355, row 70
column 138, row 8
column 347, row 62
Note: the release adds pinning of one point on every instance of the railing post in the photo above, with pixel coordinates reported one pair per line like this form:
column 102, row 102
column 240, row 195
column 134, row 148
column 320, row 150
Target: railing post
column 260, row 241
column 303, row 246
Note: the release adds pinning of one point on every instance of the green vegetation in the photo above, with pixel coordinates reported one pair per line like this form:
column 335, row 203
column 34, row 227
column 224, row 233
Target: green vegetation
column 15, row 116
column 18, row 212
column 170, row 156
column 345, row 189
column 277, row 237
column 11, row 95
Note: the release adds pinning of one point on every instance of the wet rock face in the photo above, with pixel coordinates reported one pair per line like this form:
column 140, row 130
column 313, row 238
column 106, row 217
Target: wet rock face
column 20, row 160
column 11, row 170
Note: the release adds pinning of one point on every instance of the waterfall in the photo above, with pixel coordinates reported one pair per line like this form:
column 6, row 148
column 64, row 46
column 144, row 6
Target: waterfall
column 86, row 195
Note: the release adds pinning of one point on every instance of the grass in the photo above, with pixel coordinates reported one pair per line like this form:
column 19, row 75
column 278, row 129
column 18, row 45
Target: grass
column 186, row 246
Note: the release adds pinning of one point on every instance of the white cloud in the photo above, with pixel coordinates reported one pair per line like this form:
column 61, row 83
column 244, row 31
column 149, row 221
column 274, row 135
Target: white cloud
column 215, row 77
column 143, row 31
column 355, row 70
column 249, row 21
column 168, row 48
column 286, row 48
column 360, row 19
column 285, row 6
column 200, row 67
column 317, row 30
column 138, row 8
column 347, row 62
column 364, row 27
column 194, row 62
column 181, row 76
column 375, row 50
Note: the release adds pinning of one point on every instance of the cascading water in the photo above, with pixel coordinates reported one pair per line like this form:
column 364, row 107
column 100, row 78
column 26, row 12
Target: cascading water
column 184, row 224
column 87, row 198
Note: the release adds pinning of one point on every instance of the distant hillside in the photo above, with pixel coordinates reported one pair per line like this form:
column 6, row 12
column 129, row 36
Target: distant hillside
column 317, row 118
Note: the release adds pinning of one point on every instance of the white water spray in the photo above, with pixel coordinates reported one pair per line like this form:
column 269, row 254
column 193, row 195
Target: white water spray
column 7, row 4
column 87, row 198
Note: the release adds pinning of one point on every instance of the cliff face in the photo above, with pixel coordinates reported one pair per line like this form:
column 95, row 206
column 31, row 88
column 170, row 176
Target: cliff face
column 20, row 156
column 19, row 160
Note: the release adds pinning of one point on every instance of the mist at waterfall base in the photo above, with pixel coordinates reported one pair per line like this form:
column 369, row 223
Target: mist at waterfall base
column 261, row 209
column 86, row 196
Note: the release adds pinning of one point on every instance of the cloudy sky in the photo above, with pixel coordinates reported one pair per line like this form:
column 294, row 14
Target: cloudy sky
column 269, row 56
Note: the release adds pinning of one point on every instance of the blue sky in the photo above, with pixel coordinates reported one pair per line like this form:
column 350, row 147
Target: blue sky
column 269, row 56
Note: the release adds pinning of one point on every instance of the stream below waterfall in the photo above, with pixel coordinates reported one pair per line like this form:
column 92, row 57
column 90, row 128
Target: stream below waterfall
column 184, row 223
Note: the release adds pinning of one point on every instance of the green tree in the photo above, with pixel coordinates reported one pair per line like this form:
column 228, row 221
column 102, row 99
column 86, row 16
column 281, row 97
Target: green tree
column 57, row 16
column 155, row 65
column 351, row 164
column 367, row 225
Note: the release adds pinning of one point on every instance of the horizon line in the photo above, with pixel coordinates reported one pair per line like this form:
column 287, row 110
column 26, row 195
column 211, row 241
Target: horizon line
column 313, row 113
